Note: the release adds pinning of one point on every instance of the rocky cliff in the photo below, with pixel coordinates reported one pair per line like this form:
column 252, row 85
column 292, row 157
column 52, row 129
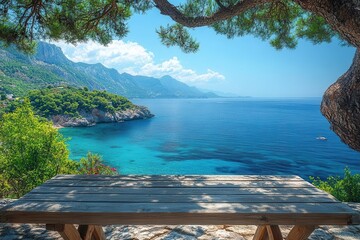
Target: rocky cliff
column 98, row 116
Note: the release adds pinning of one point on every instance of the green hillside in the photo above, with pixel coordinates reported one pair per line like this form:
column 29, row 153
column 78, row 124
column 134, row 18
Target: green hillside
column 18, row 77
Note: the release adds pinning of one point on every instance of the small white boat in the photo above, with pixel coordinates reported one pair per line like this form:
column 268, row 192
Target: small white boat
column 321, row 138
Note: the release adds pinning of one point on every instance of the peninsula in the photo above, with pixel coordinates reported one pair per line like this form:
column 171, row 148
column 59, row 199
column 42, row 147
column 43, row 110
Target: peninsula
column 75, row 107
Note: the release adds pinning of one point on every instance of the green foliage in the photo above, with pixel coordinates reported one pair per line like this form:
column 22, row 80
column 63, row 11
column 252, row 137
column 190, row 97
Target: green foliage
column 31, row 152
column 93, row 164
column 18, row 76
column 281, row 22
column 7, row 106
column 313, row 28
column 71, row 101
column 73, row 20
column 345, row 189
column 177, row 35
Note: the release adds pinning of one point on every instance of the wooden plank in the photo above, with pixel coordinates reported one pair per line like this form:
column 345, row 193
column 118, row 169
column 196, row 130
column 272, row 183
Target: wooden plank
column 181, row 177
column 66, row 231
column 273, row 232
column 176, row 190
column 300, row 232
column 178, row 218
column 146, row 184
column 55, row 227
column 108, row 207
column 260, row 233
column 205, row 198
column 355, row 219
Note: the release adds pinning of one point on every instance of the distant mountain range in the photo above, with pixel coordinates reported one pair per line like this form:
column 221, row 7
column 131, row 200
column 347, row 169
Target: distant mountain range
column 50, row 67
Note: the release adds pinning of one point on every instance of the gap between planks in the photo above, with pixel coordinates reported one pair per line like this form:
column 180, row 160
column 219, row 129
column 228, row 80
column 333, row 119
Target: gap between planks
column 183, row 177
column 196, row 198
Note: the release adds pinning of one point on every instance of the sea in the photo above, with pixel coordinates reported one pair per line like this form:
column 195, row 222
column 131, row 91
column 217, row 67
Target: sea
column 220, row 136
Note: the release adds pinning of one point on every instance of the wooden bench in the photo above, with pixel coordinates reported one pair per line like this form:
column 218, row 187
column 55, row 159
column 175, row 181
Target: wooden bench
column 93, row 201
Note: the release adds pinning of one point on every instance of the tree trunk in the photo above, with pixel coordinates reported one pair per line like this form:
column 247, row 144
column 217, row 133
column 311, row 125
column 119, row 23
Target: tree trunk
column 341, row 105
column 341, row 101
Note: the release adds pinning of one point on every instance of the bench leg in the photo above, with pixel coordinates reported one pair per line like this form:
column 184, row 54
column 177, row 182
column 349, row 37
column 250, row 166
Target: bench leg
column 98, row 233
column 67, row 231
column 84, row 232
column 261, row 233
column 268, row 232
column 274, row 232
column 300, row 232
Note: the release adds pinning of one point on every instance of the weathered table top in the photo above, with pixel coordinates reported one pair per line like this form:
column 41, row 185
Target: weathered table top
column 142, row 199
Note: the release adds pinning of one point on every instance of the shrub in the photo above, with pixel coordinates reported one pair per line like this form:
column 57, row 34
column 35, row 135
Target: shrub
column 93, row 164
column 345, row 189
column 31, row 152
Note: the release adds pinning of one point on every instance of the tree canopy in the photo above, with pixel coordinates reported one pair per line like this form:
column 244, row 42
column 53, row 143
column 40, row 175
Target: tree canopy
column 282, row 22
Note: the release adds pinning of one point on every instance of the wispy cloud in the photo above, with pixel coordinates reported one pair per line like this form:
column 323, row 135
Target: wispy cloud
column 133, row 58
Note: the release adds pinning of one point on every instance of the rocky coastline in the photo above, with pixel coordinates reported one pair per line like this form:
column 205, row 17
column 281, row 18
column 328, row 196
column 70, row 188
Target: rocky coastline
column 87, row 119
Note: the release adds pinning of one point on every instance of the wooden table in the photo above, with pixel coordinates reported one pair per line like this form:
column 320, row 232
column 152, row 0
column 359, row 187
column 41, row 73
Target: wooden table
column 92, row 201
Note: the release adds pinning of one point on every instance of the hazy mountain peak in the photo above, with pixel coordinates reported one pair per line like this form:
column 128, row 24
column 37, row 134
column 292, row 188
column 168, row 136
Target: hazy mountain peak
column 167, row 77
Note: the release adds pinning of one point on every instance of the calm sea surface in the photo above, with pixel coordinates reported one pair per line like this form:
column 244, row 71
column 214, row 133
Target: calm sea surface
column 220, row 136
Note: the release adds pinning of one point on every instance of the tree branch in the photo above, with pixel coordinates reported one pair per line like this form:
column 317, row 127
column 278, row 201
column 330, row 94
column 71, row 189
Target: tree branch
column 342, row 15
column 170, row 10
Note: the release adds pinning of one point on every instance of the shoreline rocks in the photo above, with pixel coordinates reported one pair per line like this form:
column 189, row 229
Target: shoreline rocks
column 170, row 232
column 87, row 119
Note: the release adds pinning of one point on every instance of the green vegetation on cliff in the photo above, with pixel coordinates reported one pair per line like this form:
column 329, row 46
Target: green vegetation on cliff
column 71, row 101
column 19, row 73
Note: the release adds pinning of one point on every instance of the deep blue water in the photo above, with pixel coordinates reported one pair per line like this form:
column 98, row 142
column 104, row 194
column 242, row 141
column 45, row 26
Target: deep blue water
column 220, row 136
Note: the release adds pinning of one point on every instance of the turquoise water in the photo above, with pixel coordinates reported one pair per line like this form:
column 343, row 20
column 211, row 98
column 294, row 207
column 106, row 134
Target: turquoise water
column 220, row 136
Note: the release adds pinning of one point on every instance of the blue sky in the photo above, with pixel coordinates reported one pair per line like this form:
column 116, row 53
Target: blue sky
column 244, row 66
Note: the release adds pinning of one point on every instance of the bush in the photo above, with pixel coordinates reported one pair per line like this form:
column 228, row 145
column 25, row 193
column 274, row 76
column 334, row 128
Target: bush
column 31, row 152
column 345, row 189
column 93, row 164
